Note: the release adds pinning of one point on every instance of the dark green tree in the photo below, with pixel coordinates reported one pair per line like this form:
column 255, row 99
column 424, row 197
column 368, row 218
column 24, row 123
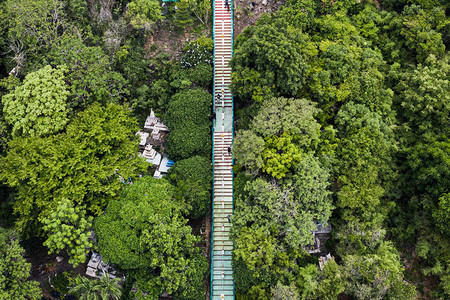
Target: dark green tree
column 144, row 231
column 270, row 60
column 192, row 179
column 188, row 119
column 15, row 270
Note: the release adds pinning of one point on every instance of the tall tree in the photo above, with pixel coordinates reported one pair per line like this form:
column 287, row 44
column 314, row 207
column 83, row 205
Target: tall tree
column 282, row 131
column 143, row 14
column 89, row 74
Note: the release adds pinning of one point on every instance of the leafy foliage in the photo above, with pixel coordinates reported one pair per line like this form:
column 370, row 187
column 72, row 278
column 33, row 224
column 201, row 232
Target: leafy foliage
column 15, row 270
column 68, row 229
column 83, row 164
column 146, row 222
column 103, row 288
column 90, row 76
column 38, row 106
column 281, row 132
column 188, row 119
column 270, row 60
column 143, row 14
column 192, row 179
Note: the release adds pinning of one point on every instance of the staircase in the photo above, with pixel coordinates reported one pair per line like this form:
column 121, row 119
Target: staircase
column 222, row 285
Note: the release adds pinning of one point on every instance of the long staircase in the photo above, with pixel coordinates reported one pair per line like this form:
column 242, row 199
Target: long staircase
column 222, row 285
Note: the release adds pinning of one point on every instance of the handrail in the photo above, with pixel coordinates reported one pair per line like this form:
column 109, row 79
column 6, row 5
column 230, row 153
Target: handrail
column 212, row 143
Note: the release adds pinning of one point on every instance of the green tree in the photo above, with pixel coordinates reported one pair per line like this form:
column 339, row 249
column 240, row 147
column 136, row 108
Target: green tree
column 83, row 164
column 15, row 270
column 248, row 149
column 194, row 287
column 68, row 229
column 372, row 276
column 143, row 14
column 423, row 100
column 294, row 116
column 105, row 288
column 38, row 106
column 270, row 227
column 331, row 281
column 192, row 179
column 307, row 280
column 201, row 10
column 145, row 231
column 284, row 292
column 281, row 132
column 311, row 182
column 421, row 30
column 89, row 73
column 188, row 119
column 270, row 60
column 365, row 159
column 280, row 155
column 183, row 16
column 35, row 24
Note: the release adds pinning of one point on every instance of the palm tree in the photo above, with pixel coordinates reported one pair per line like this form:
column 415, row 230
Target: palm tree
column 105, row 288
column 109, row 288
column 85, row 289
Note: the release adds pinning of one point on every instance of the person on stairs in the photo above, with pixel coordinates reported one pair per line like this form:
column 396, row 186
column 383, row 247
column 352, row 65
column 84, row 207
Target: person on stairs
column 227, row 6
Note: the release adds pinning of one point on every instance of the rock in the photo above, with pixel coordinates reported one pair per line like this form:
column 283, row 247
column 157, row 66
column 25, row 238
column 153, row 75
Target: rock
column 264, row 2
column 59, row 258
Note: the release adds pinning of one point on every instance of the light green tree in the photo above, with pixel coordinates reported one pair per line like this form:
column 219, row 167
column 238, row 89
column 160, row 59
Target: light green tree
column 67, row 228
column 38, row 106
column 423, row 97
column 284, row 292
column 288, row 115
column 280, row 155
column 144, row 13
column 280, row 133
column 84, row 163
